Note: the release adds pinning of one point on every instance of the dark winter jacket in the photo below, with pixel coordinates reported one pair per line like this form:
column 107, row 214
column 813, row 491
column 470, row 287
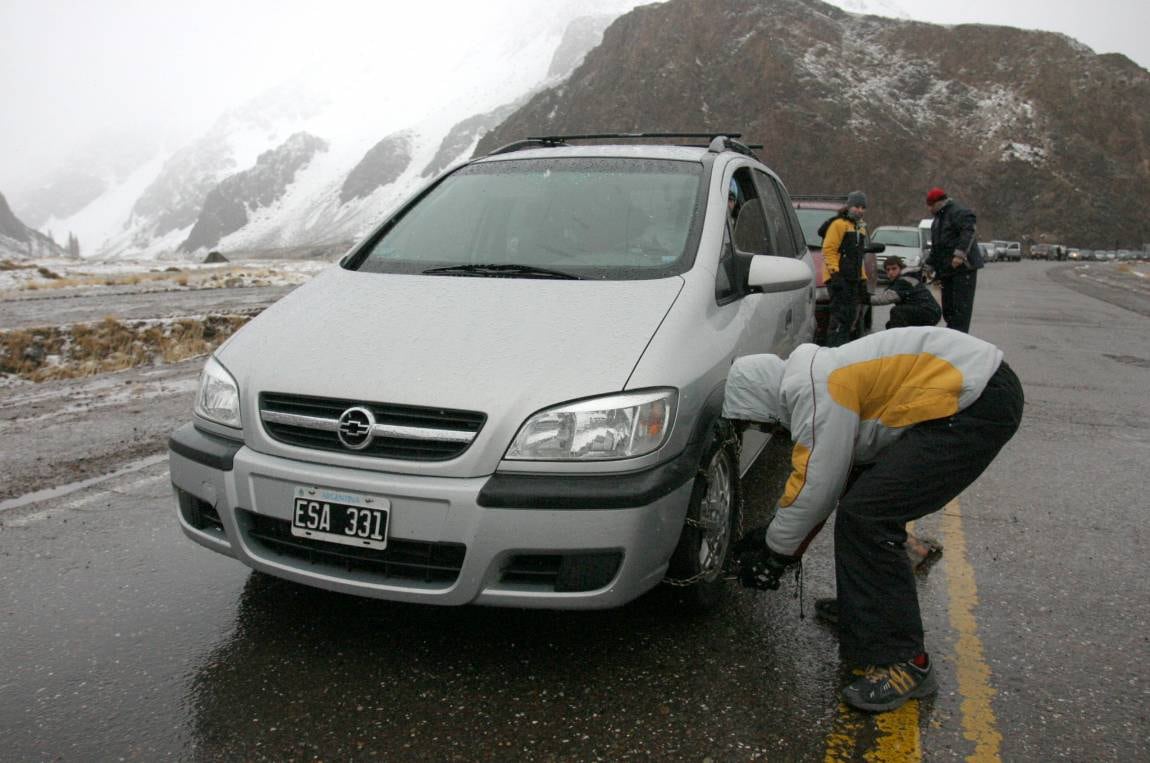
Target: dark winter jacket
column 953, row 232
column 907, row 289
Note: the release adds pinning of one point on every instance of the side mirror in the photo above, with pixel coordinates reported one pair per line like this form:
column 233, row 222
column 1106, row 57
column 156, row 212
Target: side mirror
column 875, row 248
column 769, row 274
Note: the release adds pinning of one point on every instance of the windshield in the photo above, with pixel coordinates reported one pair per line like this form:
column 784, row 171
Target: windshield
column 891, row 237
column 584, row 218
column 812, row 220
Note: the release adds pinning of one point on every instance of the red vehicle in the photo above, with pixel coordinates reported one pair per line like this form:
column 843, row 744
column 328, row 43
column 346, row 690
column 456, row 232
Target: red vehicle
column 813, row 211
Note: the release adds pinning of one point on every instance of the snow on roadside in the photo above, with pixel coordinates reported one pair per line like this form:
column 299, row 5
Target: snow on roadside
column 52, row 274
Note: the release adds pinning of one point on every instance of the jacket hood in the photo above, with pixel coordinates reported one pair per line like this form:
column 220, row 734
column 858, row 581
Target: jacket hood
column 754, row 390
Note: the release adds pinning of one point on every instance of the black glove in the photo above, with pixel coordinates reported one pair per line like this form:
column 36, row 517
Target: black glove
column 757, row 565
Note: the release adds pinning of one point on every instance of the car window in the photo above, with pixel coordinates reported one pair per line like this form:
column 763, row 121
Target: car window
column 726, row 288
column 777, row 218
column 891, row 237
column 600, row 218
column 812, row 219
column 751, row 233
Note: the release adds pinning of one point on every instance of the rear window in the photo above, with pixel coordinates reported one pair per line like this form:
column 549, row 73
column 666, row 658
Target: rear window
column 590, row 218
column 812, row 220
column 896, row 237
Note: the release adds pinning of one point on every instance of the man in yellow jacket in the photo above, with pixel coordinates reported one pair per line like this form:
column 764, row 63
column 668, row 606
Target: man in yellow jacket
column 918, row 413
column 844, row 248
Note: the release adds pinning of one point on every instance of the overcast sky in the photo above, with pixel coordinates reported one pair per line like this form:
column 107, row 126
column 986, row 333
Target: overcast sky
column 69, row 68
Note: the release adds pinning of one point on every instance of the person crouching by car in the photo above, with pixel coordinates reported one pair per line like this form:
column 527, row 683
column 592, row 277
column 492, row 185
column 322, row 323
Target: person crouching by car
column 844, row 247
column 936, row 398
column 913, row 304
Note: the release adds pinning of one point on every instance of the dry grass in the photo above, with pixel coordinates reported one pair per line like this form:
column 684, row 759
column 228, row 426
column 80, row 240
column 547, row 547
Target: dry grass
column 86, row 349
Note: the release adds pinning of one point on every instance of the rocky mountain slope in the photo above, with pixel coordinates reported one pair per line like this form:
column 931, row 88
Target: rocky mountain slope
column 231, row 204
column 18, row 241
column 1041, row 136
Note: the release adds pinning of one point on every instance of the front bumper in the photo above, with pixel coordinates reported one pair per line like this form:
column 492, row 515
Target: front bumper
column 521, row 541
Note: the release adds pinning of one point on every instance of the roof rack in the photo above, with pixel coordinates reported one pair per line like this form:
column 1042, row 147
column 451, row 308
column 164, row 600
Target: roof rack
column 523, row 145
column 718, row 141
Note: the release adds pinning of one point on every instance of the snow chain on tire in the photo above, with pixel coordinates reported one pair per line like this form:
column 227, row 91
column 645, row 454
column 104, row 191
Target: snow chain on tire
column 733, row 439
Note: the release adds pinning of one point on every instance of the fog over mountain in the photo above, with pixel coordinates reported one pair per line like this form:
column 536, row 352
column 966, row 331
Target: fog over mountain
column 1004, row 116
column 156, row 202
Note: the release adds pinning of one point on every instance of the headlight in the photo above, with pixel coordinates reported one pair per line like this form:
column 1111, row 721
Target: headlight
column 600, row 429
column 218, row 399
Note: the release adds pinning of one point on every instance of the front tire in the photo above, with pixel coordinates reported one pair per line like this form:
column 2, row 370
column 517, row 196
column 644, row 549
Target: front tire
column 698, row 565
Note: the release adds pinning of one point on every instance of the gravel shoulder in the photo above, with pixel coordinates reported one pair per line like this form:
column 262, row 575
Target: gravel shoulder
column 58, row 432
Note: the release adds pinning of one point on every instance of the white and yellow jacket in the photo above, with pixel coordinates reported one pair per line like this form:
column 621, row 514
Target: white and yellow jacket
column 844, row 405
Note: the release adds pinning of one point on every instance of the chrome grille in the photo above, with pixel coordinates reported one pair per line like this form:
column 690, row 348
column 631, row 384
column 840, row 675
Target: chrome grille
column 406, row 432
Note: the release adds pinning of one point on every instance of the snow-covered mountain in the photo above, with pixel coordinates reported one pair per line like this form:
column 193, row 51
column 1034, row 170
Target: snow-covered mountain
column 19, row 242
column 376, row 130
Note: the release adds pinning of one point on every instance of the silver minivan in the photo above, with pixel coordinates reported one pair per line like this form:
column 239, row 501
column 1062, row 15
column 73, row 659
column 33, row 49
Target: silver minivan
column 509, row 393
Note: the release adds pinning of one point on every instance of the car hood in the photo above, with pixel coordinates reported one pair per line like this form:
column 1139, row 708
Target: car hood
column 502, row 346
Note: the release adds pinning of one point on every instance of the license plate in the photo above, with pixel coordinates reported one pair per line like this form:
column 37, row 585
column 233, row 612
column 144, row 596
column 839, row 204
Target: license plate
column 336, row 517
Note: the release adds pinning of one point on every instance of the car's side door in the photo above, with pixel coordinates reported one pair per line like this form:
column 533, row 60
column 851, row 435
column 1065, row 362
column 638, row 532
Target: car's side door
column 788, row 241
column 749, row 233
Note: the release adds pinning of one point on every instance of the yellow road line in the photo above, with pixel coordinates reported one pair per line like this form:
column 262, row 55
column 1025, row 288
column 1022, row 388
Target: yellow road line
column 887, row 738
column 899, row 739
column 844, row 735
column 979, row 724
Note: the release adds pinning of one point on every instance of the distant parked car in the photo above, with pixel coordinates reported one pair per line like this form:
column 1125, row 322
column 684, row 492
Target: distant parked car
column 1008, row 251
column 900, row 241
column 1048, row 252
column 989, row 254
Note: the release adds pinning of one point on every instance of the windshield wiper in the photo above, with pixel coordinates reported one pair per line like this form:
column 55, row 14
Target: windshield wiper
column 500, row 271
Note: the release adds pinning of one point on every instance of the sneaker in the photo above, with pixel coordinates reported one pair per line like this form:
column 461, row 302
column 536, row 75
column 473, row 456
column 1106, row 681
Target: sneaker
column 827, row 610
column 889, row 686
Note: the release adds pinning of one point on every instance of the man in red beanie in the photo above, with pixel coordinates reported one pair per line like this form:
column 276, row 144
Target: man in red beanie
column 954, row 257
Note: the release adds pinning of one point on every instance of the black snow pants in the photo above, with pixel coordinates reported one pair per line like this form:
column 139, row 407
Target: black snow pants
column 912, row 315
column 844, row 308
column 918, row 474
column 958, row 299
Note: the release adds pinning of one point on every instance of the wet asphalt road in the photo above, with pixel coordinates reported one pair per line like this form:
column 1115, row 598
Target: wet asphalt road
column 120, row 639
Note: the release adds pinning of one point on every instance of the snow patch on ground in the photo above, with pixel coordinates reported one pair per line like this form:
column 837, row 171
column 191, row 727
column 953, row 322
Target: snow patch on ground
column 148, row 275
